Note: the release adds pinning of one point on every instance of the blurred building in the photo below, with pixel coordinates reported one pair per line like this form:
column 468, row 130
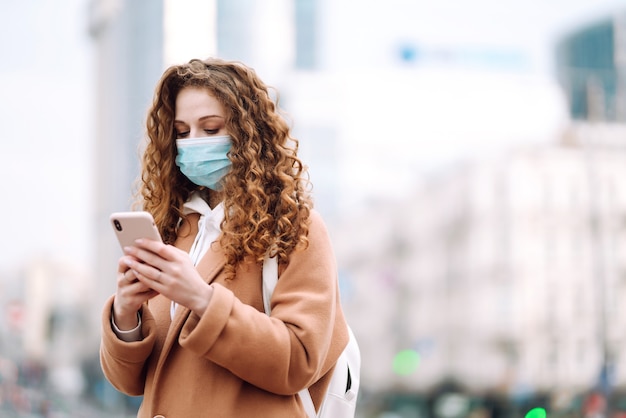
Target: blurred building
column 591, row 65
column 43, row 324
column 504, row 275
column 128, row 40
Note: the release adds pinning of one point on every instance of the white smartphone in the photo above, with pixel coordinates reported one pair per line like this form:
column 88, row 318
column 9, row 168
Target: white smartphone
column 130, row 226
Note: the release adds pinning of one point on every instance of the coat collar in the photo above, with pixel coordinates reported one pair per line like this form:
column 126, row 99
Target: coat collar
column 213, row 261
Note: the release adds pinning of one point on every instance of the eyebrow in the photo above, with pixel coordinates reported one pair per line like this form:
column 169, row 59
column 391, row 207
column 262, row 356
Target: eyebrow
column 203, row 118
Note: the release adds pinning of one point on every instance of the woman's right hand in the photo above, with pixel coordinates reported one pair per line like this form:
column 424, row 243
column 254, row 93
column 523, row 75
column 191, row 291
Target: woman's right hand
column 129, row 296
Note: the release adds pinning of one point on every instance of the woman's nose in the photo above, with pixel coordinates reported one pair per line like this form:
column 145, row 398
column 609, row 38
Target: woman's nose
column 196, row 133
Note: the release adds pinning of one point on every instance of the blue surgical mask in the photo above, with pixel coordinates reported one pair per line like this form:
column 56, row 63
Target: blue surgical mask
column 204, row 161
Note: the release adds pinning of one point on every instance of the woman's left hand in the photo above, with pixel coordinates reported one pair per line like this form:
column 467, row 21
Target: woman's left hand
column 169, row 271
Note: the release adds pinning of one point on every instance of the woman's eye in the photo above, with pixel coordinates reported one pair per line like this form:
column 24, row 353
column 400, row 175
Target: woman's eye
column 211, row 131
column 182, row 134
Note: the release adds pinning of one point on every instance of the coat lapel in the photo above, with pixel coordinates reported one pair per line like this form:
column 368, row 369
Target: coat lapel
column 209, row 268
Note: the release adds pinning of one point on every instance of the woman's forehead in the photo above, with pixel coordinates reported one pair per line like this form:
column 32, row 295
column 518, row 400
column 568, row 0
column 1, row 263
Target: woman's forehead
column 196, row 102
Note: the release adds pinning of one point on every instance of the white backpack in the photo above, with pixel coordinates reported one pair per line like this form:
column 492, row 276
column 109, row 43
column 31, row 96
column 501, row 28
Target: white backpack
column 340, row 400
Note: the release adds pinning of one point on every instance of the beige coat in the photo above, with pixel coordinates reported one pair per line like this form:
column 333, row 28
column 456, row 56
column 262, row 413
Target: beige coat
column 235, row 361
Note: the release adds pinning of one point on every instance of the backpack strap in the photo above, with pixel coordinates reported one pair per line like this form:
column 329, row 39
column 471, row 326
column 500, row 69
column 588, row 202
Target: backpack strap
column 307, row 402
column 270, row 278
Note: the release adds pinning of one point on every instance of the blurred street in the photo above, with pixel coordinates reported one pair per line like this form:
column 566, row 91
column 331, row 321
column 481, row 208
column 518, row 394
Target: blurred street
column 468, row 157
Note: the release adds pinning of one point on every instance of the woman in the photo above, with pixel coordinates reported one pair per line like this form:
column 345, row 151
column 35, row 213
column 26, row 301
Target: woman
column 186, row 327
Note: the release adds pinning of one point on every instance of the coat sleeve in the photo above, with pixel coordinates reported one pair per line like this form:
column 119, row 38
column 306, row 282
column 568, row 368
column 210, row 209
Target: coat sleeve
column 123, row 362
column 302, row 339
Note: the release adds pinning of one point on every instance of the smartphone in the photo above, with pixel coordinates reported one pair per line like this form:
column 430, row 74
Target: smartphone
column 130, row 226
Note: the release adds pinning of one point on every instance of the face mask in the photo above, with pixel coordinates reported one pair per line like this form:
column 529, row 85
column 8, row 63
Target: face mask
column 204, row 160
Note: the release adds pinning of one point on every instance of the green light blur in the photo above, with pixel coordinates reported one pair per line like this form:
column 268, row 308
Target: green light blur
column 406, row 362
column 536, row 413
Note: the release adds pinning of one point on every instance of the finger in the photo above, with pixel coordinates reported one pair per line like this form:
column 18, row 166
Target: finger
column 144, row 257
column 130, row 276
column 148, row 274
column 131, row 285
column 152, row 273
column 152, row 246
column 122, row 264
column 165, row 252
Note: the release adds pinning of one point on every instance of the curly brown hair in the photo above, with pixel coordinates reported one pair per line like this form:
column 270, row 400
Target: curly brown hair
column 266, row 193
